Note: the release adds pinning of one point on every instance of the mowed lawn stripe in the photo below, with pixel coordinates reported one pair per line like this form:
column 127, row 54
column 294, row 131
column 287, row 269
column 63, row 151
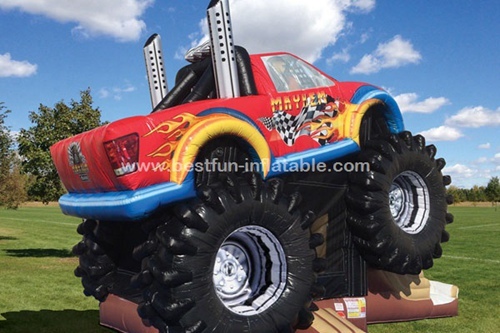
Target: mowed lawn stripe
column 28, row 220
column 471, row 259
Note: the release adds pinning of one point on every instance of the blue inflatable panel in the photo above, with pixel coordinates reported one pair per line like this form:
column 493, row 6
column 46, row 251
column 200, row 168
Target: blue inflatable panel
column 126, row 205
column 308, row 160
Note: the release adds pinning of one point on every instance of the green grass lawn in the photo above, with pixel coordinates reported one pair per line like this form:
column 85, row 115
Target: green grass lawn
column 471, row 260
column 39, row 293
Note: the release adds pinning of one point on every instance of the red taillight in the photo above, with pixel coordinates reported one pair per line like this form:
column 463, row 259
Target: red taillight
column 123, row 154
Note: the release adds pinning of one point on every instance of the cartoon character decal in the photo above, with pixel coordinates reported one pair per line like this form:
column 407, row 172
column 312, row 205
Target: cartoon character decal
column 316, row 120
column 77, row 161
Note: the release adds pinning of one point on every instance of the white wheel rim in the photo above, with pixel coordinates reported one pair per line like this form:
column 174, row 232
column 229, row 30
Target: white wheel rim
column 250, row 270
column 409, row 202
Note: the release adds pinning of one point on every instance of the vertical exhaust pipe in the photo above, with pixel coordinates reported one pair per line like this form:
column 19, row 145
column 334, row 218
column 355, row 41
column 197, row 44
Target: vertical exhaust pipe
column 153, row 55
column 223, row 51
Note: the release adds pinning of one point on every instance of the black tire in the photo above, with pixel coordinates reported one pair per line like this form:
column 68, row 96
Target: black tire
column 398, row 209
column 243, row 234
column 96, row 268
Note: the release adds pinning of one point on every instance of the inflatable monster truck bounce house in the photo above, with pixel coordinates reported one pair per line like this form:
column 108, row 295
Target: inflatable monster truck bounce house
column 260, row 195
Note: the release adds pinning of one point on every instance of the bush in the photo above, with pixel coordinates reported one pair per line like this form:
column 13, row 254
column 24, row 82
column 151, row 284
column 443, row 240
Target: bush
column 13, row 189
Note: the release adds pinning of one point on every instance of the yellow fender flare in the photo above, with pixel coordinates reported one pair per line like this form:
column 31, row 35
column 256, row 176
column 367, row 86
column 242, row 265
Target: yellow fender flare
column 356, row 113
column 209, row 128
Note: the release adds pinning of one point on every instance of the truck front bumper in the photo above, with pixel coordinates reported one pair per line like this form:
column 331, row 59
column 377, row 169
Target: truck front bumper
column 126, row 205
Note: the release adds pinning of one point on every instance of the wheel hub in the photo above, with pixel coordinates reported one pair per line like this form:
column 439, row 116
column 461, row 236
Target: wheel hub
column 231, row 270
column 249, row 273
column 409, row 202
column 395, row 200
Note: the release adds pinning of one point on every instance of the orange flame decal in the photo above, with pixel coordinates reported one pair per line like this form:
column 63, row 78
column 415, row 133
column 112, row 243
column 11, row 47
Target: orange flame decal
column 321, row 128
column 172, row 131
column 180, row 122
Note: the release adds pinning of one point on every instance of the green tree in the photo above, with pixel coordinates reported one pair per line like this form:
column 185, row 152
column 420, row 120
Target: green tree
column 14, row 188
column 5, row 138
column 5, row 145
column 12, row 182
column 492, row 190
column 50, row 125
column 476, row 194
column 458, row 194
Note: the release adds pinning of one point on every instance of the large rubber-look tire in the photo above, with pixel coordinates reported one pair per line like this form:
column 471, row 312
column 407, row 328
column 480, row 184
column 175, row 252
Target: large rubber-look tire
column 96, row 268
column 398, row 208
column 239, row 259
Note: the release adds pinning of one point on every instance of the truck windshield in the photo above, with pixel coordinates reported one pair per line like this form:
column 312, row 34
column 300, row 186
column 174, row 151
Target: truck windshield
column 289, row 73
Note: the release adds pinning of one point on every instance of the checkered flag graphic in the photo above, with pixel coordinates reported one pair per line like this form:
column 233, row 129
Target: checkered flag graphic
column 289, row 126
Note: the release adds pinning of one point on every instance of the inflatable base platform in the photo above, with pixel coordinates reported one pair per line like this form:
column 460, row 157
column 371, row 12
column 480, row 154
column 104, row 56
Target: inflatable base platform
column 391, row 298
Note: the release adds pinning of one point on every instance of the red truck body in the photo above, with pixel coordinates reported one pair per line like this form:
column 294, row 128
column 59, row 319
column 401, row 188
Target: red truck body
column 111, row 163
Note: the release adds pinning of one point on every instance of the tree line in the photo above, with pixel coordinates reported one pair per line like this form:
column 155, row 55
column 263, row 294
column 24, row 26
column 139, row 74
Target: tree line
column 27, row 172
column 489, row 193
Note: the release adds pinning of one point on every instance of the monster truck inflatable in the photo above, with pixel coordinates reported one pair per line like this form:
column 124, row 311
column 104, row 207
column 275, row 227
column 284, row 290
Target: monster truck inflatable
column 257, row 184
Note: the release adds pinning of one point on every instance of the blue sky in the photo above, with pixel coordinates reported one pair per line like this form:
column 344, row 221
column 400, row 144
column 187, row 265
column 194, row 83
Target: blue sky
column 439, row 59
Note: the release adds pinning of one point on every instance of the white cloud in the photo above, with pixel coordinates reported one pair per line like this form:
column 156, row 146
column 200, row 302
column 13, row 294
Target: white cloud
column 459, row 170
column 484, row 146
column 116, row 92
column 475, row 117
column 478, row 172
column 442, row 133
column 468, row 175
column 126, row 89
column 15, row 68
column 342, row 56
column 103, row 93
column 395, row 53
column 295, row 26
column 361, row 5
column 364, row 38
column 115, row 18
column 409, row 103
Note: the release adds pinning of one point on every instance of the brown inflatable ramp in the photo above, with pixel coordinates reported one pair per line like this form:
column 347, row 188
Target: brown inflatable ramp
column 391, row 297
column 331, row 316
column 121, row 315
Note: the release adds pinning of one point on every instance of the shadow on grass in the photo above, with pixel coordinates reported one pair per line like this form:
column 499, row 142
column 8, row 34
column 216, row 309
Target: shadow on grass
column 39, row 253
column 48, row 321
column 7, row 238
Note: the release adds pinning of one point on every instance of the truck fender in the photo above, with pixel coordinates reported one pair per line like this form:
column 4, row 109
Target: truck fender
column 367, row 96
column 211, row 127
column 360, row 110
